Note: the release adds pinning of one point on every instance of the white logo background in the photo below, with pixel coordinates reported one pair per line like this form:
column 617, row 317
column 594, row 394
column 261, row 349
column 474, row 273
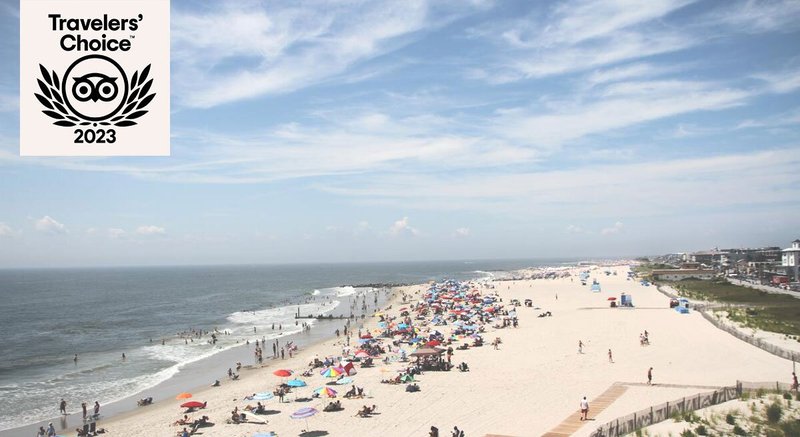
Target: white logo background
column 99, row 88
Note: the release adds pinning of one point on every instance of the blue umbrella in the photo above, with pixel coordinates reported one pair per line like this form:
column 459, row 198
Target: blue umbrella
column 296, row 383
column 345, row 380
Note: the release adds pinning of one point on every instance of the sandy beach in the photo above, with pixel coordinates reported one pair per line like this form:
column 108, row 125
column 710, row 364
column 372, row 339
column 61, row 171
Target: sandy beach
column 528, row 386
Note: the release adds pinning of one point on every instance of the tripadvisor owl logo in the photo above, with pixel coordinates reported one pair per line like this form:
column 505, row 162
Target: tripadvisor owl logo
column 95, row 91
column 94, row 78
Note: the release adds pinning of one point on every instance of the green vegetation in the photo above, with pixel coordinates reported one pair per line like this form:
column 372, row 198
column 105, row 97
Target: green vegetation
column 701, row 430
column 647, row 268
column 730, row 420
column 774, row 413
column 753, row 308
column 739, row 431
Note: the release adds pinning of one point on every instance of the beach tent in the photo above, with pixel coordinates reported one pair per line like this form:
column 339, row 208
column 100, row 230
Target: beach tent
column 426, row 352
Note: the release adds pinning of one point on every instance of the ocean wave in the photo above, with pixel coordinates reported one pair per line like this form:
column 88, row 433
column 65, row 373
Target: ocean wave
column 345, row 291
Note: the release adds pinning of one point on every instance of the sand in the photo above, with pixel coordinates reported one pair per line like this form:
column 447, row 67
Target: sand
column 526, row 388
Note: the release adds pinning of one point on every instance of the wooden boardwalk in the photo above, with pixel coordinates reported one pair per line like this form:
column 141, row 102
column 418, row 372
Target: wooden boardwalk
column 573, row 423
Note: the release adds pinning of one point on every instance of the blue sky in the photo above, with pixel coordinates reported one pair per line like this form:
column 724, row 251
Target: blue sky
column 396, row 130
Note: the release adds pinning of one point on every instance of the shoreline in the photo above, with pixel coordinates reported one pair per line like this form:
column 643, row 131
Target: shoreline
column 193, row 374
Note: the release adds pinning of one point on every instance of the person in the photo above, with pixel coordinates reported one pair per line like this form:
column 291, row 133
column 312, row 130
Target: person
column 42, row 432
column 62, row 406
column 794, row 381
column 75, row 359
column 434, row 432
column 185, row 433
column 580, row 346
column 650, row 376
column 83, row 407
column 584, row 409
column 96, row 408
column 610, row 357
column 123, row 356
column 216, row 383
column 51, row 430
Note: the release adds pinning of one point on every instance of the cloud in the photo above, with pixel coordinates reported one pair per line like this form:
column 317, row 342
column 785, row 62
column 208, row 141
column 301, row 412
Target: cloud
column 47, row 225
column 116, row 233
column 617, row 228
column 150, row 230
column 758, row 16
column 461, row 232
column 9, row 103
column 288, row 46
column 6, row 230
column 401, row 227
column 572, row 229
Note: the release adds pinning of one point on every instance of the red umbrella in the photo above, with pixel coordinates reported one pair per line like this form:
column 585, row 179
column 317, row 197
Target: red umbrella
column 432, row 343
column 612, row 298
column 283, row 373
column 192, row 404
column 366, row 335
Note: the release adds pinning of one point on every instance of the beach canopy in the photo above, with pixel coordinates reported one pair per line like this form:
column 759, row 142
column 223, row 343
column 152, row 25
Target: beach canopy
column 183, row 396
column 361, row 354
column 326, row 391
column 283, row 373
column 192, row 404
column 424, row 352
column 296, row 383
column 304, row 413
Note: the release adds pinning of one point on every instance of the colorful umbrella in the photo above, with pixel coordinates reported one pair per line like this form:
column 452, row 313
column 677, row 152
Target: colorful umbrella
column 332, row 372
column 183, row 396
column 296, row 383
column 283, row 373
column 192, row 404
column 326, row 391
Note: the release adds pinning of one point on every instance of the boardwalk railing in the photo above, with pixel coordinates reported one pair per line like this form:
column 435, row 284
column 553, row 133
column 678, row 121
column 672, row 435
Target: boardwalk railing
column 659, row 413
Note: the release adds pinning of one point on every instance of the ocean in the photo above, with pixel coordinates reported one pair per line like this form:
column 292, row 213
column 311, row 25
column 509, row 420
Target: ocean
column 49, row 315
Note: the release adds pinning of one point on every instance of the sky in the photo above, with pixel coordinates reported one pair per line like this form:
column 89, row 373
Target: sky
column 349, row 131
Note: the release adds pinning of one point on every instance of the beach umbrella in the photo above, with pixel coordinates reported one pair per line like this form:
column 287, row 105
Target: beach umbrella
column 183, row 396
column 283, row 373
column 296, row 383
column 612, row 298
column 304, row 413
column 367, row 336
column 362, row 354
column 192, row 404
column 326, row 391
column 345, row 380
column 332, row 372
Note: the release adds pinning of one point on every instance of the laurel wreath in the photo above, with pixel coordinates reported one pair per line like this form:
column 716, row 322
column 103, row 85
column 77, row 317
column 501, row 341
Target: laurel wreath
column 52, row 98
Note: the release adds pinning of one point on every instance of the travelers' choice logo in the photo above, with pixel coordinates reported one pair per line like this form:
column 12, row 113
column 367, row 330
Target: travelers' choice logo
column 95, row 91
column 94, row 84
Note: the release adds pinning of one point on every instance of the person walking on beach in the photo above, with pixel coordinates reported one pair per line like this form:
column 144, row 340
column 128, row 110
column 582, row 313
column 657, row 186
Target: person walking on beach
column 96, row 409
column 83, row 407
column 584, row 409
column 580, row 346
column 650, row 376
column 51, row 430
column 62, row 406
column 610, row 357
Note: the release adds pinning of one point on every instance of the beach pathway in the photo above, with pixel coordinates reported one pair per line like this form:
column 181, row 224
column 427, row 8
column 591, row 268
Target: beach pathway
column 573, row 423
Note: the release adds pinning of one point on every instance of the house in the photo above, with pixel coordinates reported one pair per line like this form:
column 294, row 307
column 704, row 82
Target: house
column 790, row 260
column 678, row 274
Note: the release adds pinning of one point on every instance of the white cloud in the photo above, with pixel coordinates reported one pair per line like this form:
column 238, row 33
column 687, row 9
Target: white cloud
column 402, row 227
column 757, row 16
column 572, row 229
column 9, row 103
column 289, row 45
column 617, row 228
column 48, row 225
column 150, row 230
column 781, row 82
column 116, row 233
column 462, row 232
column 6, row 231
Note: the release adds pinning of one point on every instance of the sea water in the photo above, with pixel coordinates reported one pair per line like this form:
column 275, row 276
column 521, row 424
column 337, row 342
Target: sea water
column 49, row 315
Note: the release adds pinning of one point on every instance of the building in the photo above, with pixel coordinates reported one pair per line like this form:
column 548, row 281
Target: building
column 790, row 260
column 678, row 274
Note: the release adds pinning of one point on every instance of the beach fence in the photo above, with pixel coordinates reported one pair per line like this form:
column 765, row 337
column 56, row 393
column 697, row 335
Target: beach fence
column 659, row 413
column 706, row 312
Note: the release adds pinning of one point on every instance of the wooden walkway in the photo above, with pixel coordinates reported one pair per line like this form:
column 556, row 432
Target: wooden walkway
column 573, row 423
